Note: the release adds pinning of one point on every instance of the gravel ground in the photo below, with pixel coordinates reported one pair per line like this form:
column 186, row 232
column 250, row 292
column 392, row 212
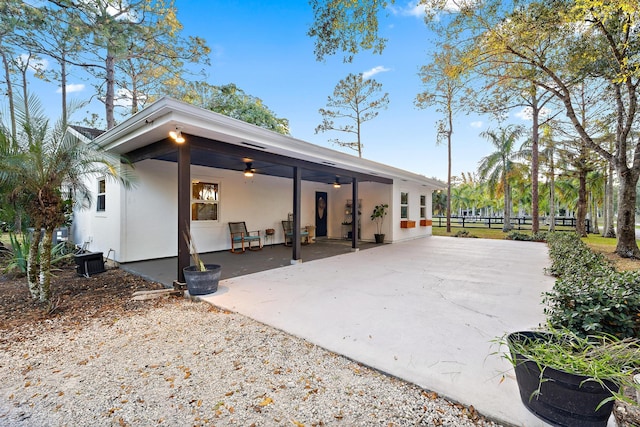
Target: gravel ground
column 185, row 363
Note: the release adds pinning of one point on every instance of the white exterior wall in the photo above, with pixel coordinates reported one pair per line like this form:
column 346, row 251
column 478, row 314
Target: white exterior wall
column 146, row 226
column 141, row 222
column 414, row 191
column 98, row 231
column 371, row 195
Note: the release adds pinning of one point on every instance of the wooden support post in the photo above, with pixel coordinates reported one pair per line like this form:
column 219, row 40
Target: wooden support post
column 184, row 206
column 356, row 215
column 297, row 195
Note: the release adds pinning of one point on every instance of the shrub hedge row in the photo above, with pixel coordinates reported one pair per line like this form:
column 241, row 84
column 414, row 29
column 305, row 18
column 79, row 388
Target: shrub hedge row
column 589, row 295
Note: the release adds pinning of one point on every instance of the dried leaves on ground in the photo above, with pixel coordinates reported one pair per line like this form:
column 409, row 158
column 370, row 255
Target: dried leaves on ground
column 75, row 299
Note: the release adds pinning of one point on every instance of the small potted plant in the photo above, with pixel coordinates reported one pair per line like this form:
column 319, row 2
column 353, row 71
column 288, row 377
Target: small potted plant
column 201, row 278
column 377, row 216
column 569, row 380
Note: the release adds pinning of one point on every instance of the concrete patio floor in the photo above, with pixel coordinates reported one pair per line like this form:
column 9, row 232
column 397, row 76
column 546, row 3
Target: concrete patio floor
column 164, row 270
column 425, row 311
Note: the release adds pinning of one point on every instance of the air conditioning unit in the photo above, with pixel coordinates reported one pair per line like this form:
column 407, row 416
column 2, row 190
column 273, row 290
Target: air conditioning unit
column 89, row 264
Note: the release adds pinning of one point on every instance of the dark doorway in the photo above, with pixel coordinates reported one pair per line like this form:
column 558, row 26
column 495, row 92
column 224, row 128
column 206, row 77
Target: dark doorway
column 321, row 214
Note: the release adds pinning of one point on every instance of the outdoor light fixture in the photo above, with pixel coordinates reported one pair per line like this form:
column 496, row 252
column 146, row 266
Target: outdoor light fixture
column 176, row 135
column 336, row 184
column 248, row 171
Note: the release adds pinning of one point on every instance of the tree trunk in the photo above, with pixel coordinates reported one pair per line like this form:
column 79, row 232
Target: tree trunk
column 506, row 227
column 552, row 195
column 449, row 178
column 358, row 135
column 627, row 246
column 45, row 266
column 12, row 108
column 110, row 91
column 609, row 229
column 32, row 262
column 63, row 88
column 25, row 99
column 605, row 206
column 535, row 211
column 594, row 216
column 582, row 203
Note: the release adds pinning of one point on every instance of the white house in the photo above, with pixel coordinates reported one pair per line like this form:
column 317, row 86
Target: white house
column 201, row 183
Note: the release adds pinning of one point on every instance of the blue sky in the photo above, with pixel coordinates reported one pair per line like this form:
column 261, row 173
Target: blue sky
column 263, row 48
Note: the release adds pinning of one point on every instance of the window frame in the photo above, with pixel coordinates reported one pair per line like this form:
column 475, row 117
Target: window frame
column 101, row 198
column 404, row 205
column 197, row 201
column 423, row 206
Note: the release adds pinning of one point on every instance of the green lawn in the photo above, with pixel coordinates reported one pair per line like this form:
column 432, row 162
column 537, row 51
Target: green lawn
column 484, row 233
column 596, row 242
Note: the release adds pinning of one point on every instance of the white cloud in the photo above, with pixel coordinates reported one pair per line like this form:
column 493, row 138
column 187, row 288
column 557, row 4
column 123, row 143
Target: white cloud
column 124, row 98
column 477, row 124
column 417, row 10
column 35, row 64
column 375, row 70
column 526, row 113
column 411, row 8
column 73, row 87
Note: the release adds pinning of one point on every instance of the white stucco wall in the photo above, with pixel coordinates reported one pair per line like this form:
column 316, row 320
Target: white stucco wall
column 98, row 231
column 141, row 222
column 150, row 215
column 414, row 191
column 371, row 194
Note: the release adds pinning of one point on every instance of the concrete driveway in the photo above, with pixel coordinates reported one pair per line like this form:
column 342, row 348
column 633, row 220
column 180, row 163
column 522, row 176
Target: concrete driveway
column 425, row 311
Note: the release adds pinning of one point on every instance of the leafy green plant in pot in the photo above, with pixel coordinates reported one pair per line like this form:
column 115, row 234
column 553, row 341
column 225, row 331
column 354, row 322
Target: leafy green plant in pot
column 377, row 216
column 569, row 380
column 201, row 278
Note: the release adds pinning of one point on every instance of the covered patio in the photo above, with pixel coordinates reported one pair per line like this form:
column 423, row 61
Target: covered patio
column 163, row 270
column 198, row 171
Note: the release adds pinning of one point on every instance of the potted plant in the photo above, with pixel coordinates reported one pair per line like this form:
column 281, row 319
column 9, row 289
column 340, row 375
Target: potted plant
column 201, row 278
column 379, row 212
column 569, row 380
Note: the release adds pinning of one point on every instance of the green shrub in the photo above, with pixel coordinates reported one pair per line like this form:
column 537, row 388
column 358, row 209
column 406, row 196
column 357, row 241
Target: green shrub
column 517, row 235
column 608, row 304
column 17, row 257
column 540, row 236
column 464, row 233
column 589, row 295
column 535, row 237
column 570, row 255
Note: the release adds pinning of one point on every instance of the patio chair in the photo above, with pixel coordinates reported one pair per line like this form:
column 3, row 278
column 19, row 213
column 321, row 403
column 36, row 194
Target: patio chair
column 287, row 227
column 240, row 236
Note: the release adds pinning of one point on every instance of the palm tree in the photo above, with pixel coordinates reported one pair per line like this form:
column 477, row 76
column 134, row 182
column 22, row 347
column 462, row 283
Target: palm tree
column 460, row 198
column 43, row 166
column 498, row 166
column 439, row 202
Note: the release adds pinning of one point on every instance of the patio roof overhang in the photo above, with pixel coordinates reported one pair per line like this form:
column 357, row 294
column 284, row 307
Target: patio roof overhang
column 219, row 141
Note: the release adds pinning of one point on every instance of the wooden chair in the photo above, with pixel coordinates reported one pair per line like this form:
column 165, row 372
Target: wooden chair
column 240, row 236
column 287, row 227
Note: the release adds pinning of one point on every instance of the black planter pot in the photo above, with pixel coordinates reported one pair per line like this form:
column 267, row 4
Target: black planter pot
column 202, row 282
column 379, row 238
column 563, row 399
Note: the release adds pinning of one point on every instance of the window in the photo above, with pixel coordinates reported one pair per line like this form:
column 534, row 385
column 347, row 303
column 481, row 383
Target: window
column 423, row 207
column 102, row 196
column 204, row 201
column 404, row 205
